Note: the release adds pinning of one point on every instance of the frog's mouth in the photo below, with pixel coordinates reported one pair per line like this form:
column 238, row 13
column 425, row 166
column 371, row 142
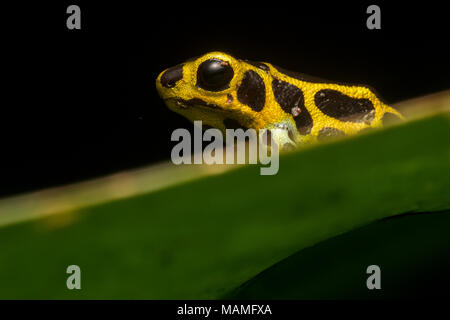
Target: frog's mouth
column 192, row 103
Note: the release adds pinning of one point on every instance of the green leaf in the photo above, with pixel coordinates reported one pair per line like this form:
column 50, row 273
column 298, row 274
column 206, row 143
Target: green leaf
column 412, row 252
column 201, row 239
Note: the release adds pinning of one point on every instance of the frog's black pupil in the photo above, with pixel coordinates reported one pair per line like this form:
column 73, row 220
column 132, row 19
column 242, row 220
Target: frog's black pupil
column 214, row 75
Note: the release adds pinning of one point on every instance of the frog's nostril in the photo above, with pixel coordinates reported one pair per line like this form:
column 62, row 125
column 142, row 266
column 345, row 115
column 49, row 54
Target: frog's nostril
column 171, row 76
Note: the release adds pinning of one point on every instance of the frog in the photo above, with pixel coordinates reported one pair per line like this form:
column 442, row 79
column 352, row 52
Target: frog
column 225, row 92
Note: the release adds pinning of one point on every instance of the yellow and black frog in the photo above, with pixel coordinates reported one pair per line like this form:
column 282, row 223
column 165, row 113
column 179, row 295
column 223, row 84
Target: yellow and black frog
column 225, row 92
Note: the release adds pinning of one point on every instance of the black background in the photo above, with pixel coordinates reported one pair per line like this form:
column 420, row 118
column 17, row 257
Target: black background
column 82, row 103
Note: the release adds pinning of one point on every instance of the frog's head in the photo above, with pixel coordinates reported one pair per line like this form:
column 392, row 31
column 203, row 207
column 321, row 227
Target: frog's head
column 222, row 91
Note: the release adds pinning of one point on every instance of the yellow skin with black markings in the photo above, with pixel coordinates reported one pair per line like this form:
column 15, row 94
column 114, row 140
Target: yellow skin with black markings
column 224, row 104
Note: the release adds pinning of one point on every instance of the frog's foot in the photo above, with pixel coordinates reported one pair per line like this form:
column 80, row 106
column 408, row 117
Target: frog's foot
column 284, row 135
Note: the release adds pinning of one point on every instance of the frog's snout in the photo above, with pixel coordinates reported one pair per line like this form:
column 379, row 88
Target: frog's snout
column 171, row 76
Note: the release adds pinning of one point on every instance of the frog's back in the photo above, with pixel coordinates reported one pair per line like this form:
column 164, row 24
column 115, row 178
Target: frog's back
column 322, row 108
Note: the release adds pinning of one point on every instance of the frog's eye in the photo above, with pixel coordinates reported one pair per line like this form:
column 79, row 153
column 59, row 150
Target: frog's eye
column 214, row 75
